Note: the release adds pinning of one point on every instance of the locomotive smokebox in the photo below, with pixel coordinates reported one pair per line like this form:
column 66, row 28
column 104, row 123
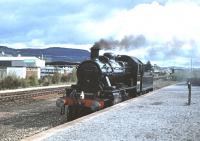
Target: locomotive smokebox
column 95, row 51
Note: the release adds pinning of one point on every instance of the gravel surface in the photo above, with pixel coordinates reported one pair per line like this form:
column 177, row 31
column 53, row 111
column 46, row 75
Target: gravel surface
column 161, row 115
column 22, row 118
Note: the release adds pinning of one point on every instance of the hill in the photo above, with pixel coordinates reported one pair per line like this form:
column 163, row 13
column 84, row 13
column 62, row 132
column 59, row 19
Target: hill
column 50, row 54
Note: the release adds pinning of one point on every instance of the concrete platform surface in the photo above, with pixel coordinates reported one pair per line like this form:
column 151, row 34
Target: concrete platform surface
column 162, row 115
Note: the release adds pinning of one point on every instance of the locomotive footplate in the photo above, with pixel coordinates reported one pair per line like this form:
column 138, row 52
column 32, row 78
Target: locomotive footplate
column 93, row 104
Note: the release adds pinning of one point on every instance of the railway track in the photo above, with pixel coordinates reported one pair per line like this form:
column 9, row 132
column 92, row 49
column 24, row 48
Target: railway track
column 28, row 93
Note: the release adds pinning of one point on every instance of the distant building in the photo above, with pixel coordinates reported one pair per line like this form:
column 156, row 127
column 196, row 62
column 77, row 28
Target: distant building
column 162, row 70
column 22, row 67
column 61, row 67
column 50, row 70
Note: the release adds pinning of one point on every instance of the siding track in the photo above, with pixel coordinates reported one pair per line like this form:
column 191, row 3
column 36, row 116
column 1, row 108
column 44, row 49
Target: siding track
column 10, row 95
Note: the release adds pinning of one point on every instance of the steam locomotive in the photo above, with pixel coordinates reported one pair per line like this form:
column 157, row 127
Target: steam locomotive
column 104, row 81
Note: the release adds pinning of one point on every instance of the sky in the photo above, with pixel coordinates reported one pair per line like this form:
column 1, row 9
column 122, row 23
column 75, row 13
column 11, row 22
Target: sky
column 170, row 29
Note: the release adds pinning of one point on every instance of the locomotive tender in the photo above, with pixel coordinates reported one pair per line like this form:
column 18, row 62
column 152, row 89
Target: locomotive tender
column 104, row 81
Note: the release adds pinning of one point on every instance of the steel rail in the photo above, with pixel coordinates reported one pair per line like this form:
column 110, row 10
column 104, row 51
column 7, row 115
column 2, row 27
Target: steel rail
column 4, row 97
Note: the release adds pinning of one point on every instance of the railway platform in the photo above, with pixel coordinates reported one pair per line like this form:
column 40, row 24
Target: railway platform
column 159, row 115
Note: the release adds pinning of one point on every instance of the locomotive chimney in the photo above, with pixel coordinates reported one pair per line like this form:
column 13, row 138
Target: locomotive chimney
column 95, row 51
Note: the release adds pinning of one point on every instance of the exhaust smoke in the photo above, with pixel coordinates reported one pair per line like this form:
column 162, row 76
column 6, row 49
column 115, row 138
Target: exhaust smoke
column 174, row 52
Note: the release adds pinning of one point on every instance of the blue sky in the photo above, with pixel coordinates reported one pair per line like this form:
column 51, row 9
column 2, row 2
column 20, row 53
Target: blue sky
column 171, row 27
column 60, row 21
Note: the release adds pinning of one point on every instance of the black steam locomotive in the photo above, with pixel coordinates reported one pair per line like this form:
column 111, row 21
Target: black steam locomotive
column 104, row 81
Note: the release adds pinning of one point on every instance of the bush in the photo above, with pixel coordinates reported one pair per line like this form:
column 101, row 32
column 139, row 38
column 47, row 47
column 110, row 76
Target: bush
column 2, row 74
column 65, row 78
column 10, row 82
column 24, row 83
column 73, row 77
column 56, row 78
column 46, row 80
column 13, row 82
column 33, row 81
column 180, row 76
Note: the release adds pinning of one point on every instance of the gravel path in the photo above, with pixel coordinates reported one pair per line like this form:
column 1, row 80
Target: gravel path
column 19, row 119
column 162, row 115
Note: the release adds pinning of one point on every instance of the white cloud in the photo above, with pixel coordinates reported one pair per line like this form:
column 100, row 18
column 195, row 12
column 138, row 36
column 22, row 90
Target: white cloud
column 157, row 22
column 15, row 45
column 172, row 30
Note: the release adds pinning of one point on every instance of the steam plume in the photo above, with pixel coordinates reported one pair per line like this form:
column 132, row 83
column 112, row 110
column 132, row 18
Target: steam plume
column 126, row 43
column 174, row 50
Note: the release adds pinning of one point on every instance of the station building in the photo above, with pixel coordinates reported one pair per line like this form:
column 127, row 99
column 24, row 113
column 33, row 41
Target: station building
column 22, row 67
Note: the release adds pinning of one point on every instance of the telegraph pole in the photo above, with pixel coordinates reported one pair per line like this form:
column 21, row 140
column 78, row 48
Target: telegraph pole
column 189, row 84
